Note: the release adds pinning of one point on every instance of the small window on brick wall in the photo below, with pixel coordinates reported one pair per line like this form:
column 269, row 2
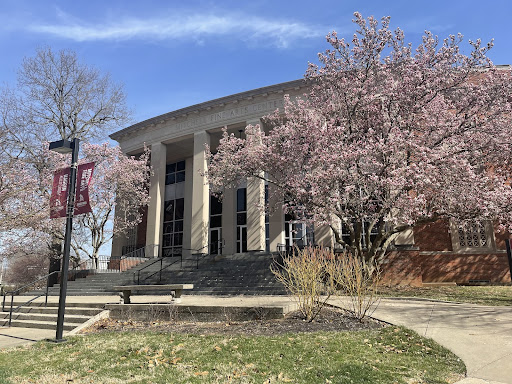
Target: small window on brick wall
column 473, row 237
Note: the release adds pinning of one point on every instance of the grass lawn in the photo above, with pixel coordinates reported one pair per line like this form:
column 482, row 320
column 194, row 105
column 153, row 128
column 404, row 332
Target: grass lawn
column 388, row 355
column 485, row 295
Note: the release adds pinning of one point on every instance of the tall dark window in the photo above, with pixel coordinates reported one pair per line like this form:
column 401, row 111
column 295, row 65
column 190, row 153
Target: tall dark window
column 175, row 173
column 173, row 227
column 241, row 220
column 345, row 233
column 215, row 226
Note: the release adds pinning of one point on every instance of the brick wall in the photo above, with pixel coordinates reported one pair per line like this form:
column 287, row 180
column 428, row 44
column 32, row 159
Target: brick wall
column 461, row 268
column 433, row 236
column 130, row 262
column 402, row 268
column 439, row 265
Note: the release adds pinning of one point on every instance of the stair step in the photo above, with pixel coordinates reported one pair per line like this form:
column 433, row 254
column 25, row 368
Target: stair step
column 18, row 302
column 84, row 311
column 78, row 319
column 38, row 324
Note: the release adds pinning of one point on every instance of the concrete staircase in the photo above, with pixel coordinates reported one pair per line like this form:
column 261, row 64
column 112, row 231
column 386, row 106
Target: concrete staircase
column 241, row 274
column 37, row 315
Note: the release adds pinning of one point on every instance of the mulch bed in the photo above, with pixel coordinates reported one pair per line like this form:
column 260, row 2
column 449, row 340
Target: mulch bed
column 329, row 319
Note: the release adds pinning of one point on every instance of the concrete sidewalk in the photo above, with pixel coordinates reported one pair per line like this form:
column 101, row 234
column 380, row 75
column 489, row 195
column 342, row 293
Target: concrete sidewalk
column 17, row 336
column 481, row 336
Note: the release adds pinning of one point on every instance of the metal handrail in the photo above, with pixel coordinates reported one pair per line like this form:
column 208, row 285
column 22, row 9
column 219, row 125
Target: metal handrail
column 202, row 255
column 160, row 259
column 140, row 252
column 75, row 268
column 17, row 291
column 160, row 270
column 199, row 256
column 287, row 249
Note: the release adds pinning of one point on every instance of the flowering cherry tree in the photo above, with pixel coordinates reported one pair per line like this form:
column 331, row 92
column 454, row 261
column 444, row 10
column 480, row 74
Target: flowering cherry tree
column 118, row 192
column 119, row 185
column 387, row 137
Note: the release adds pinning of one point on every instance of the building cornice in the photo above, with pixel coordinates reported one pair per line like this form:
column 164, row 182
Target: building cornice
column 276, row 88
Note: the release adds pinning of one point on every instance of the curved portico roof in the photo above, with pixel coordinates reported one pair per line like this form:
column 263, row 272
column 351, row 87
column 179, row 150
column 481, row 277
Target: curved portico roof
column 276, row 88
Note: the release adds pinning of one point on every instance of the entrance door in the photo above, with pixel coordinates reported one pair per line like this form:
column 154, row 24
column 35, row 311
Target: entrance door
column 215, row 241
column 241, row 238
column 295, row 234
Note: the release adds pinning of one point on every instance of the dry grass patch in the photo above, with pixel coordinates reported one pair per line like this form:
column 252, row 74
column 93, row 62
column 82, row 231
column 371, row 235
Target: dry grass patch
column 387, row 355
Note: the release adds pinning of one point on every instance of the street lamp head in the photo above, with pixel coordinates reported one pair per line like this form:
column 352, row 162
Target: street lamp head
column 61, row 146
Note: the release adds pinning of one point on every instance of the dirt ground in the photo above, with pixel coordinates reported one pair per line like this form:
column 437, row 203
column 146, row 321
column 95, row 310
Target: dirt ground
column 329, row 319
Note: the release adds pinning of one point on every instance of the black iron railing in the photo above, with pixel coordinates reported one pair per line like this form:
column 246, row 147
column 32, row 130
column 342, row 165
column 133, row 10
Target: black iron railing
column 137, row 273
column 197, row 255
column 22, row 289
column 213, row 248
column 104, row 264
column 146, row 251
column 140, row 280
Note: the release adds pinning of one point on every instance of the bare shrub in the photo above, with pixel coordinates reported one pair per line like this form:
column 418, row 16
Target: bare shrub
column 304, row 276
column 358, row 280
column 313, row 275
column 172, row 311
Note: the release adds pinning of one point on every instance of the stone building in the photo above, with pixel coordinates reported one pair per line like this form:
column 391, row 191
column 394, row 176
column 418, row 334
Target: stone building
column 183, row 218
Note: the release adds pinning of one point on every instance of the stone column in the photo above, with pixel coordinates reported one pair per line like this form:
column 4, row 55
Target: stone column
column 157, row 196
column 229, row 221
column 324, row 236
column 187, row 215
column 405, row 238
column 200, row 195
column 255, row 213
column 275, row 220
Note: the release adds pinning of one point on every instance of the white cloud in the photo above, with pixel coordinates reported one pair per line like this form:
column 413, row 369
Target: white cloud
column 196, row 27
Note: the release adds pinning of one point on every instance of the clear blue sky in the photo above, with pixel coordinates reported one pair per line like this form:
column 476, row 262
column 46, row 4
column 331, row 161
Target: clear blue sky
column 171, row 54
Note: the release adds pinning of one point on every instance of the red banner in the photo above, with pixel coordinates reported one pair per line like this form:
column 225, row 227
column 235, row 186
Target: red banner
column 83, row 179
column 58, row 200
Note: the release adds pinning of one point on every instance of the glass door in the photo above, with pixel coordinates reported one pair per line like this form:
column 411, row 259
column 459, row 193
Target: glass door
column 216, row 241
column 241, row 238
column 297, row 234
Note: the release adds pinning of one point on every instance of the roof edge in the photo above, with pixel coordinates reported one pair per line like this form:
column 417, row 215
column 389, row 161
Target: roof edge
column 208, row 104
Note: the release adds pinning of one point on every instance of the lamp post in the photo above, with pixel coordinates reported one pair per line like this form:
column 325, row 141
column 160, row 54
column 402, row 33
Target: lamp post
column 66, row 146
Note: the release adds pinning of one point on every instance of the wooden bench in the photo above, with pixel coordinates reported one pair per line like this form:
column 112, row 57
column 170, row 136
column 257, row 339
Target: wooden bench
column 176, row 288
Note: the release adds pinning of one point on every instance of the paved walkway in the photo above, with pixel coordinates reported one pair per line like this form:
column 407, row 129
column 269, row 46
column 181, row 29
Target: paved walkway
column 15, row 336
column 481, row 336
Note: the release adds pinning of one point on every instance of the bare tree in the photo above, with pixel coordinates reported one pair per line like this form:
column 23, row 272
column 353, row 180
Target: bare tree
column 56, row 97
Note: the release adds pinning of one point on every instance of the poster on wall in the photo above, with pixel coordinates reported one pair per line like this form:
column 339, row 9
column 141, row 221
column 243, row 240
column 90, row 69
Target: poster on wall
column 58, row 200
